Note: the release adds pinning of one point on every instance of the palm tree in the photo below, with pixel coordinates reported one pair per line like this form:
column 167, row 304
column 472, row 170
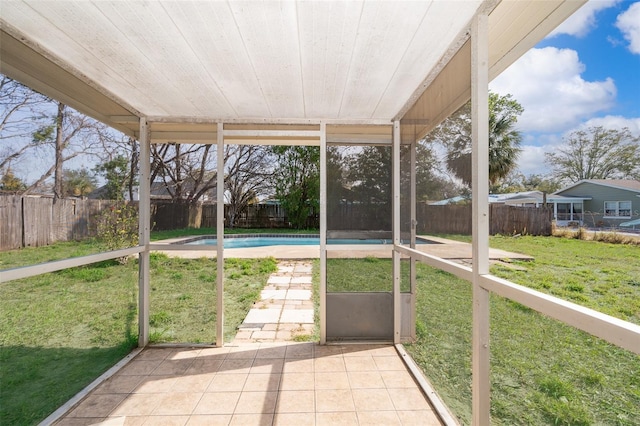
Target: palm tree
column 504, row 139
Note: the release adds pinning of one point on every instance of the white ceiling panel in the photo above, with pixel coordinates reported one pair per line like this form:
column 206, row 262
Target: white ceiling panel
column 252, row 61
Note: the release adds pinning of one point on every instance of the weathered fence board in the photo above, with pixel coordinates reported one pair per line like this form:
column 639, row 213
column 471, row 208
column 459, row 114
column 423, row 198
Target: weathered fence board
column 10, row 222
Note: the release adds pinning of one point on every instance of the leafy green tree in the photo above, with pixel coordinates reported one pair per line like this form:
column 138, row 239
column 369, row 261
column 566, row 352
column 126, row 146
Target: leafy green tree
column 596, row 153
column 116, row 172
column 297, row 181
column 518, row 182
column 504, row 140
column 78, row 183
column 10, row 182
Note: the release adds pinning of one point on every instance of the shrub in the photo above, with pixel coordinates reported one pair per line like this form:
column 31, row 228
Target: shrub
column 118, row 227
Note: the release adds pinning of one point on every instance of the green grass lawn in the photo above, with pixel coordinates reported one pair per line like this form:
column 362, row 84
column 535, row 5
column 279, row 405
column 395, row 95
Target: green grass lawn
column 61, row 330
column 542, row 371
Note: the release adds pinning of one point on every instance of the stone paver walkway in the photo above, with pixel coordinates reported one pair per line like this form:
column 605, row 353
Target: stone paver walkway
column 285, row 309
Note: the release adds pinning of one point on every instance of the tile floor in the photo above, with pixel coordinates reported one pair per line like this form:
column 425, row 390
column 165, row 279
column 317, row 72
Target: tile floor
column 282, row 383
column 263, row 377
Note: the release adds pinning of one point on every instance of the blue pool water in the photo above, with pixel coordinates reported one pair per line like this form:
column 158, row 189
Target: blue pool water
column 263, row 241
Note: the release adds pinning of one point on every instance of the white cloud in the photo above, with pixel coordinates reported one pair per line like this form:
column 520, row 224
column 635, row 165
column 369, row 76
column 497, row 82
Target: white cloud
column 629, row 24
column 583, row 20
column 616, row 122
column 531, row 160
column 547, row 82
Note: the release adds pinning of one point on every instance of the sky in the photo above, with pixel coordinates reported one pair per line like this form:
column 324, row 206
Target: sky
column 585, row 73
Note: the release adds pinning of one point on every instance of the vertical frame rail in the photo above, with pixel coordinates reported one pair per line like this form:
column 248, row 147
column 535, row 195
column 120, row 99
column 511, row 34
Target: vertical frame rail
column 144, row 232
column 397, row 314
column 220, row 236
column 413, row 226
column 323, row 233
column 480, row 384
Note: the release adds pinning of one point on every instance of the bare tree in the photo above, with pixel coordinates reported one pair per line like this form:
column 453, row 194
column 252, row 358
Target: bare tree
column 597, row 153
column 33, row 126
column 20, row 110
column 247, row 176
column 187, row 171
column 70, row 135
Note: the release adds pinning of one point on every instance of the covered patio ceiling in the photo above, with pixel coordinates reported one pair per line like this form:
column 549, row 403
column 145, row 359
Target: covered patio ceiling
column 186, row 65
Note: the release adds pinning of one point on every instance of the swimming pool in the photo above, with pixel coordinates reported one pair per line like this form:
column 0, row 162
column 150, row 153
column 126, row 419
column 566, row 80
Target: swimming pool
column 261, row 240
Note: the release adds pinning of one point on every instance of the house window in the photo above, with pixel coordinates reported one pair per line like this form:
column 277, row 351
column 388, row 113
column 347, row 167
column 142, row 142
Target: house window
column 620, row 209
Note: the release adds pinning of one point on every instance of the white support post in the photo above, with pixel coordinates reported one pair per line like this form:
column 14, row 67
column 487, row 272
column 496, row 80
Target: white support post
column 144, row 232
column 220, row 237
column 481, row 385
column 323, row 233
column 397, row 306
column 413, row 224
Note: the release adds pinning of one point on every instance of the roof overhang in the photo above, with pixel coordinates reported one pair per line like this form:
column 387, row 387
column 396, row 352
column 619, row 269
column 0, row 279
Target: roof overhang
column 185, row 66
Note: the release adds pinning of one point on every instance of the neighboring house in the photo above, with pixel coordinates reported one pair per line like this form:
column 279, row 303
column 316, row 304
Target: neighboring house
column 598, row 202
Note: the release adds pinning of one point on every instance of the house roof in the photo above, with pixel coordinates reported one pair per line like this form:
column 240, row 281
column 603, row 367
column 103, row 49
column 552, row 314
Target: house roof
column 185, row 66
column 630, row 185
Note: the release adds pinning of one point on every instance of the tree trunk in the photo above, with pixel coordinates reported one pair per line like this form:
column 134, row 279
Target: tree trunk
column 58, row 174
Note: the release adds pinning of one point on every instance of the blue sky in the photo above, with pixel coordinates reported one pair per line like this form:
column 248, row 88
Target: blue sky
column 585, row 73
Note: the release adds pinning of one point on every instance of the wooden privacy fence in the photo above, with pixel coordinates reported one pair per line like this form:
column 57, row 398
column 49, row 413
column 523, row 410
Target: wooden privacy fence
column 503, row 219
column 38, row 221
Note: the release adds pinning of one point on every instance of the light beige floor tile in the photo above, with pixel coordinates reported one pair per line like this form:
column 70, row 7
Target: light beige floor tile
column 140, row 368
column 214, row 353
column 209, row 420
column 227, row 382
column 217, row 403
column 262, row 382
column 297, row 381
column 408, row 399
column 97, row 405
column 243, row 352
column 365, row 380
column 137, row 404
column 300, row 350
column 299, row 365
column 359, row 363
column 398, row 379
column 256, row 402
column 271, row 352
column 389, row 363
column 328, row 400
column 235, row 366
column 327, row 351
column 185, row 353
column 296, row 402
column 376, row 418
column 177, row 403
column 419, row 418
column 251, row 420
column 337, row 419
column 267, row 365
column 204, row 365
column 295, row 419
column 329, row 364
column 172, row 367
column 166, row 421
column 331, row 380
column 119, row 384
column 150, row 354
column 372, row 400
column 155, row 384
column 193, row 382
